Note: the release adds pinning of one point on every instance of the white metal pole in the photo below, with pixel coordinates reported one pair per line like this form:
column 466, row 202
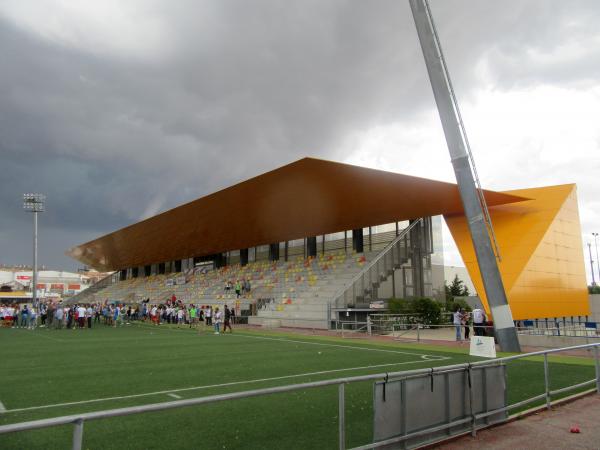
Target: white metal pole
column 596, row 245
column 474, row 206
column 592, row 265
column 34, row 299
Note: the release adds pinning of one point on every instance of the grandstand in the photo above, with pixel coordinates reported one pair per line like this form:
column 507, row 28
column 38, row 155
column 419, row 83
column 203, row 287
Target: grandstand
column 297, row 290
column 308, row 232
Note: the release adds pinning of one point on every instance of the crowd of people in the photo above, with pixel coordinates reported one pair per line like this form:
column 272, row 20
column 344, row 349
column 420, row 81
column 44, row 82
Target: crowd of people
column 57, row 315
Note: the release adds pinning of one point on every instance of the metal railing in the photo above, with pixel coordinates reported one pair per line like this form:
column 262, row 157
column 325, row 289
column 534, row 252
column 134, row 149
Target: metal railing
column 564, row 331
column 78, row 420
column 391, row 257
column 82, row 296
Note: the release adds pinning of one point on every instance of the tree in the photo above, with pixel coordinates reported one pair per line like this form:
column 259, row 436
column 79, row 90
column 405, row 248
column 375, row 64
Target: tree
column 456, row 289
column 594, row 289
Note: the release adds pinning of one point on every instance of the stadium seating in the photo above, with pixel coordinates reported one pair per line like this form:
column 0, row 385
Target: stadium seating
column 294, row 292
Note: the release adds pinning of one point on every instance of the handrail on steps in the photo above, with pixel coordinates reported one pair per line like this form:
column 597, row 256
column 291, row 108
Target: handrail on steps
column 367, row 267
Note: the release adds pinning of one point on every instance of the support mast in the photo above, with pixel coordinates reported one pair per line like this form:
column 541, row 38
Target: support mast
column 473, row 203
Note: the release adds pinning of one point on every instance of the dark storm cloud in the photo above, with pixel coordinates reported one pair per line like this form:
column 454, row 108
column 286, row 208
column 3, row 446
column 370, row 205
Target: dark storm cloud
column 239, row 87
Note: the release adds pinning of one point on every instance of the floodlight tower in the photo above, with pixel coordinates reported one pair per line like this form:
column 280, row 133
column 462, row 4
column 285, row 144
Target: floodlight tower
column 592, row 265
column 476, row 212
column 34, row 203
column 597, row 260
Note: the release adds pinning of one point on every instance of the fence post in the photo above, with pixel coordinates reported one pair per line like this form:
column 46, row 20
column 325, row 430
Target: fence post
column 547, row 380
column 418, row 332
column 596, row 353
column 77, row 434
column 342, row 418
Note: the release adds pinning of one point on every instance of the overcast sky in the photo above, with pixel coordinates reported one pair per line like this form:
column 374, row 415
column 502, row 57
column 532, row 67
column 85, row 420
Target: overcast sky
column 119, row 110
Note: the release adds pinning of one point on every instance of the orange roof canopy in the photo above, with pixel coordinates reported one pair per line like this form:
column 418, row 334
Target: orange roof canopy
column 309, row 197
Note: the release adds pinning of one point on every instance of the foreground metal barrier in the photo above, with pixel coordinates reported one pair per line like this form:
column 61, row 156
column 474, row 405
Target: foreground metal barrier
column 78, row 420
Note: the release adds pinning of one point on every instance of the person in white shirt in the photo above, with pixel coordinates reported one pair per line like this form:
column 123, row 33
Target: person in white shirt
column 89, row 313
column 457, row 321
column 218, row 315
column 81, row 316
column 478, row 321
column 32, row 318
column 208, row 315
column 58, row 316
column 154, row 315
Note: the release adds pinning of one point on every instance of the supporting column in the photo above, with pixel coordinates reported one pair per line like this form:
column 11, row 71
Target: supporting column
column 416, row 260
column 244, row 256
column 219, row 260
column 311, row 246
column 274, row 252
column 357, row 240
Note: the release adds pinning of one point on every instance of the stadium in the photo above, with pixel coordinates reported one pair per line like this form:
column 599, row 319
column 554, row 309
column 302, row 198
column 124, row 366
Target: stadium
column 306, row 307
column 302, row 232
column 308, row 237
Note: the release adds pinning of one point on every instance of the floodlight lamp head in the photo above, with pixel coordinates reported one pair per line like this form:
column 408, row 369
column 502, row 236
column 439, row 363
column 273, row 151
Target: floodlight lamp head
column 33, row 202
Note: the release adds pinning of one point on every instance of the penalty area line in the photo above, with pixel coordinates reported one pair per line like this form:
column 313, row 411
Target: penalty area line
column 195, row 388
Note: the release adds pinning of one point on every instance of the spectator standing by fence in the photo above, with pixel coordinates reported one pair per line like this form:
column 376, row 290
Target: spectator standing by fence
column 478, row 322
column 457, row 321
column 466, row 317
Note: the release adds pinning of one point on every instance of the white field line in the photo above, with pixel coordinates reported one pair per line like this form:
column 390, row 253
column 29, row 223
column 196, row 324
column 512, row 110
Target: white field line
column 424, row 356
column 174, row 395
column 170, row 391
column 2, row 408
column 353, row 347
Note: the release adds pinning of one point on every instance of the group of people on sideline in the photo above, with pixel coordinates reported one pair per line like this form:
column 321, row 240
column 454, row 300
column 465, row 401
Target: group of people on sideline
column 176, row 312
column 58, row 315
column 461, row 320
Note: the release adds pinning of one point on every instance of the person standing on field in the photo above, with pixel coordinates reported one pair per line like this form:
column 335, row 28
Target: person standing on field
column 81, row 313
column 208, row 315
column 58, row 316
column 89, row 313
column 227, row 320
column 218, row 316
column 193, row 319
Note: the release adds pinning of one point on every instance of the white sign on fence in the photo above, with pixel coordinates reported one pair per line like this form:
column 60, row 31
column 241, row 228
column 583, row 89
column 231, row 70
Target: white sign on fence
column 483, row 346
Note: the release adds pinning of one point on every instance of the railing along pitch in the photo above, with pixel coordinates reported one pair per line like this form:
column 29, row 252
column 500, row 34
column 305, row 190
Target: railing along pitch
column 78, row 420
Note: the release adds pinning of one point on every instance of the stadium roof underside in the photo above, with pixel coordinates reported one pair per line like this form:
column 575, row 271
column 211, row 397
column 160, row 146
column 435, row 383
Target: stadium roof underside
column 309, row 197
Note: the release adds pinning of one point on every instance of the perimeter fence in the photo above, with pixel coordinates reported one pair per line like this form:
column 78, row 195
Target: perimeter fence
column 440, row 424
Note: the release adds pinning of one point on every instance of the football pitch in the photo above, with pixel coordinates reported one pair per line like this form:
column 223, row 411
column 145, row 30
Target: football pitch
column 51, row 373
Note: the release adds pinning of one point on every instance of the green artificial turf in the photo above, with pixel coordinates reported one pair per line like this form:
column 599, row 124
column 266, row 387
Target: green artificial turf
column 54, row 367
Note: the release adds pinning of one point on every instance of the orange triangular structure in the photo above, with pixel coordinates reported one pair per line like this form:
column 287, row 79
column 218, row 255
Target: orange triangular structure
column 540, row 244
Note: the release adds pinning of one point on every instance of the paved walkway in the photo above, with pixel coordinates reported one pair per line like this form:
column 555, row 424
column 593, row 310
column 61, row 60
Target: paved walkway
column 547, row 430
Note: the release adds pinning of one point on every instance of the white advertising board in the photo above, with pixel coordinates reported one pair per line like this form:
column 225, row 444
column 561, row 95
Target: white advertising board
column 483, row 346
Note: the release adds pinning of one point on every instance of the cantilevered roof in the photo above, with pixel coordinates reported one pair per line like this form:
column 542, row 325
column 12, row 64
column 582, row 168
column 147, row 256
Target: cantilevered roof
column 309, row 197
